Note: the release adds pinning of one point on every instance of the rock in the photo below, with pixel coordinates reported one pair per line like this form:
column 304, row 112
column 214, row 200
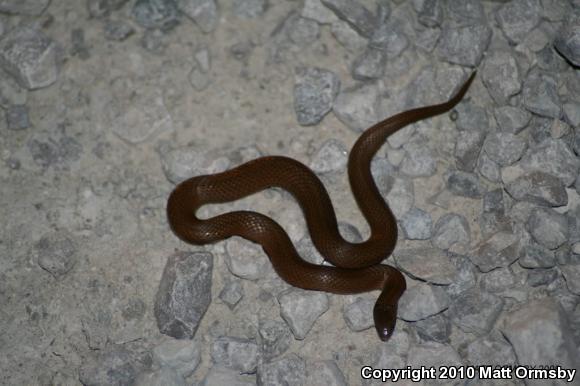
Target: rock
column 498, row 280
column 512, row 119
column 548, row 227
column 432, row 354
column 232, row 293
column 475, row 311
column 203, row 12
column 417, row 224
column 540, row 92
column 290, row 370
column 184, row 293
column 315, row 10
column 553, row 157
column 540, row 333
column 245, row 259
column 464, row 184
column 156, row 14
column 451, row 229
column 324, row 373
column 537, row 256
column 314, row 93
column 464, row 45
column 499, row 250
column 567, row 40
column 538, row 188
column 17, row 117
column 275, row 338
column 235, row 353
column 30, row 57
column 117, row 30
column 358, row 315
column 219, row 375
column 369, row 65
column 332, row 156
column 518, row 17
column 249, row 9
column 467, row 149
column 504, row 148
column 23, row 7
column 471, row 117
column 113, row 367
column 390, row 38
column 357, row 106
column 301, row 309
column 347, row 36
column 56, row 253
column 354, row 13
column 429, row 264
column 419, row 161
column 429, row 13
column 160, row 377
column 183, row 356
column 571, row 273
column 420, row 301
column 492, row 350
column 435, row 328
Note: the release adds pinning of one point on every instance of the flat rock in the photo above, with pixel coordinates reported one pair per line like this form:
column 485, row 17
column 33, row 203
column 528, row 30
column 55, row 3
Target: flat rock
column 429, row 264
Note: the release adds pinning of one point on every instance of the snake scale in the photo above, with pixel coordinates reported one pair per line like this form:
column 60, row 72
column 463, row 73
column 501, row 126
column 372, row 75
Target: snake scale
column 357, row 266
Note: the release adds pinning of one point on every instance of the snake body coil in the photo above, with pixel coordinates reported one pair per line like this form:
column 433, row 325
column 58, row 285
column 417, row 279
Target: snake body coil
column 357, row 265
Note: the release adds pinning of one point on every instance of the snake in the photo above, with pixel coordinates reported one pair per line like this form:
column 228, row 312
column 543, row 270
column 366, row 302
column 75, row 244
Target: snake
column 356, row 267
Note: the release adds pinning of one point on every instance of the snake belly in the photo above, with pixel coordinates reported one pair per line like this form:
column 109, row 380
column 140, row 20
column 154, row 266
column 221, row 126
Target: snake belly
column 357, row 266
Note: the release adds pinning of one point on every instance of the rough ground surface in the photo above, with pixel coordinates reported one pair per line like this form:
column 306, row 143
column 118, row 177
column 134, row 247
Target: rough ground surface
column 105, row 105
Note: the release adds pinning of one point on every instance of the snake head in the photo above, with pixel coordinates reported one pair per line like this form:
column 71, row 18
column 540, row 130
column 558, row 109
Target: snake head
column 385, row 319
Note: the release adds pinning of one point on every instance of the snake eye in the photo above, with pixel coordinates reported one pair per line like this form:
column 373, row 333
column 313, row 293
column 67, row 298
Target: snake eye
column 385, row 319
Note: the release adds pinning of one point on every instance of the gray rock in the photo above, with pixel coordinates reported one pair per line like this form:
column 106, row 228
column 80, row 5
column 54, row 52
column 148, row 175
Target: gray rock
column 314, row 93
column 54, row 151
column 540, row 333
column 429, row 264
column 572, row 115
column 160, row 14
column 504, row 148
column 538, row 188
column 567, row 40
column 354, row 13
column 369, row 65
column 498, row 280
column 540, row 92
column 302, row 31
column 114, row 367
column 536, row 256
column 464, row 45
column 315, row 10
column 56, row 253
column 475, row 311
column 186, row 162
column 501, row 75
column 184, row 293
column 539, row 277
column 427, row 39
column 357, row 106
column 466, row 277
column 435, row 328
column 219, row 375
column 203, row 12
column 451, row 229
column 183, row 356
column 430, row 13
column 421, row 300
column 499, row 250
column 394, row 354
column 432, row 354
column 117, row 30
column 571, row 273
column 488, row 168
column 24, row 7
column 467, row 149
column 550, row 60
column 17, row 117
column 301, row 309
column 30, row 57
column 347, row 36
column 492, row 350
column 232, row 293
column 245, row 259
column 332, row 156
column 517, row 18
column 275, row 338
column 235, row 353
column 324, row 373
column 417, row 224
column 401, row 196
column 290, row 370
column 101, row 9
column 419, row 160
column 471, row 117
column 464, row 184
column 358, row 315
column 161, row 377
column 390, row 38
column 465, row 12
column 511, row 119
column 548, row 227
column 553, row 157
column 249, row 9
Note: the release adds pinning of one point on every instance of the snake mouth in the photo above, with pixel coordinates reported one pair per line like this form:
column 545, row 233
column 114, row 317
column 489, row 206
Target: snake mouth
column 385, row 320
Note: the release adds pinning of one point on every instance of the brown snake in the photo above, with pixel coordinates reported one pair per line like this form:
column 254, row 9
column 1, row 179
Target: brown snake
column 357, row 265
